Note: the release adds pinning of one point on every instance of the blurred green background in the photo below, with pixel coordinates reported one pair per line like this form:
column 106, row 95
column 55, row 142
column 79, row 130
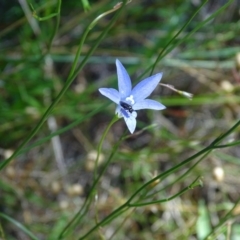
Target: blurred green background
column 45, row 185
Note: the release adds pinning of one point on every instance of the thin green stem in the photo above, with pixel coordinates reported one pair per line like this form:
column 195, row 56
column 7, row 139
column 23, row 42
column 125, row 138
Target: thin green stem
column 58, row 16
column 2, row 236
column 179, row 178
column 171, row 170
column 228, row 145
column 87, row 30
column 18, row 225
column 115, row 212
column 224, row 135
column 118, row 213
column 119, row 227
column 99, row 149
column 195, row 183
column 168, row 44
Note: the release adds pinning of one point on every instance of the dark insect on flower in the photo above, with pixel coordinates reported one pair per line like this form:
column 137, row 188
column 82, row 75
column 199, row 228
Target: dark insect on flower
column 126, row 106
column 129, row 99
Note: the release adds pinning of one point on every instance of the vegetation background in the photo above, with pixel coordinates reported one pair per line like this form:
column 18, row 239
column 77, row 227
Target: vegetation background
column 63, row 176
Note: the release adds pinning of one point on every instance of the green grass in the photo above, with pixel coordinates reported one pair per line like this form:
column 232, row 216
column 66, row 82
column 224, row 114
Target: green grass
column 68, row 172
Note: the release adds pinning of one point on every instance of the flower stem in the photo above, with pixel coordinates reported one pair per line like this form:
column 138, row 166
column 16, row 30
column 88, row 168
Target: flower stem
column 99, row 149
column 86, row 205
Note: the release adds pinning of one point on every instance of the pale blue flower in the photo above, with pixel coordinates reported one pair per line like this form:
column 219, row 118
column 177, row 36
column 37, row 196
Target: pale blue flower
column 128, row 100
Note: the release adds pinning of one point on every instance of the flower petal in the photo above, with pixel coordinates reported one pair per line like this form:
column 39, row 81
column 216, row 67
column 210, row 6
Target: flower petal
column 124, row 81
column 131, row 123
column 118, row 111
column 110, row 93
column 148, row 104
column 146, row 87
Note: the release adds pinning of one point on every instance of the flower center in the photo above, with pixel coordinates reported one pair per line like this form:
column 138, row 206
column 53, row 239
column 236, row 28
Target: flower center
column 130, row 99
